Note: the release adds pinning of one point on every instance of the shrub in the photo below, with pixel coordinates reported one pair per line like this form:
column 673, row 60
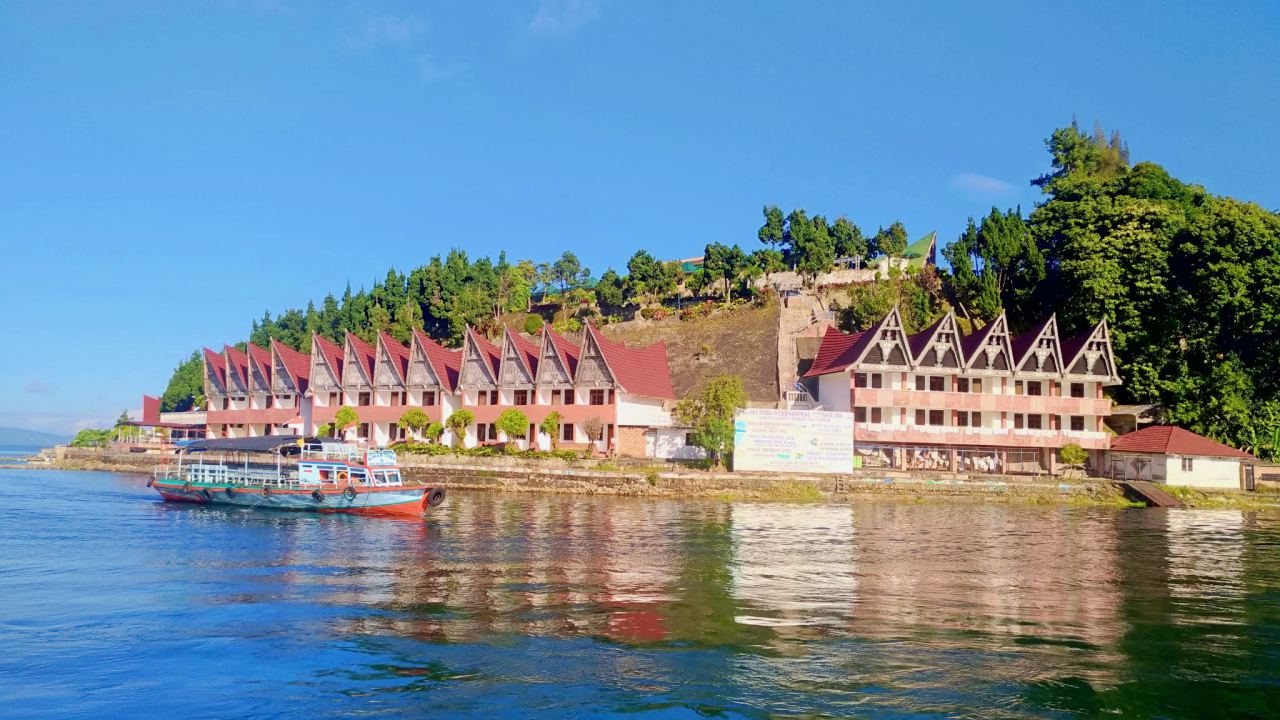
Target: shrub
column 457, row 424
column 533, row 324
column 414, row 420
column 696, row 311
column 1073, row 454
column 433, row 432
column 514, row 424
column 568, row 325
column 346, row 417
column 654, row 312
column 551, row 426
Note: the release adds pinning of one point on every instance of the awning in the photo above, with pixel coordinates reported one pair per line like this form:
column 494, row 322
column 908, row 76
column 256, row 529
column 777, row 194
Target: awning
column 282, row 444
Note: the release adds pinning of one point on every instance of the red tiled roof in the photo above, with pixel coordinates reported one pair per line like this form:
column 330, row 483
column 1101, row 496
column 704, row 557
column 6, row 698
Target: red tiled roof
column 527, row 349
column 1072, row 346
column 920, row 340
column 445, row 362
column 640, row 371
column 565, row 348
column 399, row 354
column 493, row 351
column 239, row 364
column 364, row 353
column 974, row 341
column 297, row 363
column 262, row 357
column 839, row 350
column 331, row 352
column 1171, row 440
column 1023, row 343
column 218, row 362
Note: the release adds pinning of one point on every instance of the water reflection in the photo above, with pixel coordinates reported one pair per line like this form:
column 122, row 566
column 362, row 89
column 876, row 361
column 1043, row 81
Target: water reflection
column 554, row 605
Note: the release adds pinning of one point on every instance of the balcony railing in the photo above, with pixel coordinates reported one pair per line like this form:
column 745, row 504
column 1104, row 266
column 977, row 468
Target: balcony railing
column 981, row 402
column 958, row 435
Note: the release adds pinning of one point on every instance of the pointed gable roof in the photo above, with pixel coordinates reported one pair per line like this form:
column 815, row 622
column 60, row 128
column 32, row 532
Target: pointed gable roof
column 519, row 362
column 328, row 354
column 216, row 369
column 988, row 348
column 1039, row 348
column 392, row 361
column 444, row 362
column 296, row 364
column 237, row 368
column 259, row 369
column 1089, row 354
column 643, row 371
column 887, row 344
column 359, row 355
column 938, row 345
column 568, row 350
column 481, row 361
column 1171, row 440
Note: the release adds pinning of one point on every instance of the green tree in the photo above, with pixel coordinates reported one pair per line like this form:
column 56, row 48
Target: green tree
column 514, row 424
column 185, row 390
column 813, row 249
column 996, row 265
column 533, row 324
column 772, row 233
column 890, row 241
column 414, row 420
column 768, row 261
column 91, row 437
column 550, row 426
column 710, row 415
column 457, row 423
column 345, row 418
column 433, row 432
column 848, row 238
column 609, row 290
column 325, row 430
column 593, row 428
column 724, row 263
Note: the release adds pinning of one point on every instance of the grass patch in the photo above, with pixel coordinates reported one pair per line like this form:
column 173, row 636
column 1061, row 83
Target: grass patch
column 1210, row 500
column 782, row 491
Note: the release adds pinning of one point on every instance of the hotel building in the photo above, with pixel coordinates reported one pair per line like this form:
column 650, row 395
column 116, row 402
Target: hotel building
column 984, row 402
column 280, row 391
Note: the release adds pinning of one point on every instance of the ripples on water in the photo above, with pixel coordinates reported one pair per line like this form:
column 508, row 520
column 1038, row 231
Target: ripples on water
column 113, row 604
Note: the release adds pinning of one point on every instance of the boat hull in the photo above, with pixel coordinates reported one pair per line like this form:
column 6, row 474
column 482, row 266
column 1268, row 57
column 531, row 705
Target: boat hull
column 398, row 500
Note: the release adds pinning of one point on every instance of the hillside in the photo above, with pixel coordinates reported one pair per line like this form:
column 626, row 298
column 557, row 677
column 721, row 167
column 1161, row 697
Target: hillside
column 22, row 436
column 742, row 342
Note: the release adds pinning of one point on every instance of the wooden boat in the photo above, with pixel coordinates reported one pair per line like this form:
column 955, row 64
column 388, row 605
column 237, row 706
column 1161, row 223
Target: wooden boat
column 328, row 477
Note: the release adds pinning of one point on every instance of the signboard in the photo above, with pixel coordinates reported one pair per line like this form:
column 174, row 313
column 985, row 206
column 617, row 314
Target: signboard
column 807, row 441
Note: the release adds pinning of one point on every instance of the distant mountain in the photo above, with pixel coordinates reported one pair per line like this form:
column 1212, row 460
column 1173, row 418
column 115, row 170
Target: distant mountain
column 22, row 436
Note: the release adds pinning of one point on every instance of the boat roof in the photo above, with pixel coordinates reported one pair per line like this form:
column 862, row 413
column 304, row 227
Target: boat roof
column 282, row 444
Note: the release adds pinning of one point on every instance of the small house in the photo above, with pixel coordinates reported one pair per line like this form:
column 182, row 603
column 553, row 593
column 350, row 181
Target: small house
column 1172, row 456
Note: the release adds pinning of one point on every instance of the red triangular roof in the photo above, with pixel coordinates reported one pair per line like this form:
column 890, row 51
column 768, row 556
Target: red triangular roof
column 364, row 352
column 239, row 364
column 492, row 351
column 399, row 354
column 262, row 357
column 1171, row 440
column 1022, row 344
column 526, row 350
column 217, row 362
column 839, row 350
column 565, row 348
column 640, row 371
column 446, row 363
column 297, row 363
column 920, row 340
column 974, row 341
column 331, row 352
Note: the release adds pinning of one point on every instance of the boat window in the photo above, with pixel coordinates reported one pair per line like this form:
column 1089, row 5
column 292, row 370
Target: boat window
column 358, row 475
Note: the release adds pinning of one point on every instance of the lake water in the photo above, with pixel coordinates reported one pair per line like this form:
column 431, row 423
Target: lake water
column 115, row 605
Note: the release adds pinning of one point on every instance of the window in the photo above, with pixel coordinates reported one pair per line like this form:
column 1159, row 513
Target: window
column 1077, row 390
column 937, row 383
column 597, row 397
column 522, row 397
column 333, row 399
column 962, row 384
column 270, row 400
column 363, row 431
column 395, row 432
column 1188, row 464
column 568, row 397
column 1017, row 387
column 935, row 417
column 1033, row 388
column 877, row 380
column 920, row 417
column 1077, row 423
column 429, row 397
column 363, row 399
column 395, row 399
column 920, row 382
column 975, row 386
column 875, row 415
column 226, row 403
column 1033, row 422
column 1017, row 421
column 611, row 395
column 975, row 419
column 860, row 380
column 555, row 397
column 688, row 439
column 962, row 418
column 566, row 432
column 859, row 414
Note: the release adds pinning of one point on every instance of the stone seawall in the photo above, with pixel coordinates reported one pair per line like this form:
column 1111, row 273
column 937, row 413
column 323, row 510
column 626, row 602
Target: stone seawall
column 557, row 476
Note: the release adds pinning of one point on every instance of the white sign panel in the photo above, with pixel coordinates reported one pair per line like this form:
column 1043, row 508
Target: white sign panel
column 808, row 441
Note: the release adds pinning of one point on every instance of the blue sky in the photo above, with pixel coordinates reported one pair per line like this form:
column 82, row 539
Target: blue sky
column 172, row 169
